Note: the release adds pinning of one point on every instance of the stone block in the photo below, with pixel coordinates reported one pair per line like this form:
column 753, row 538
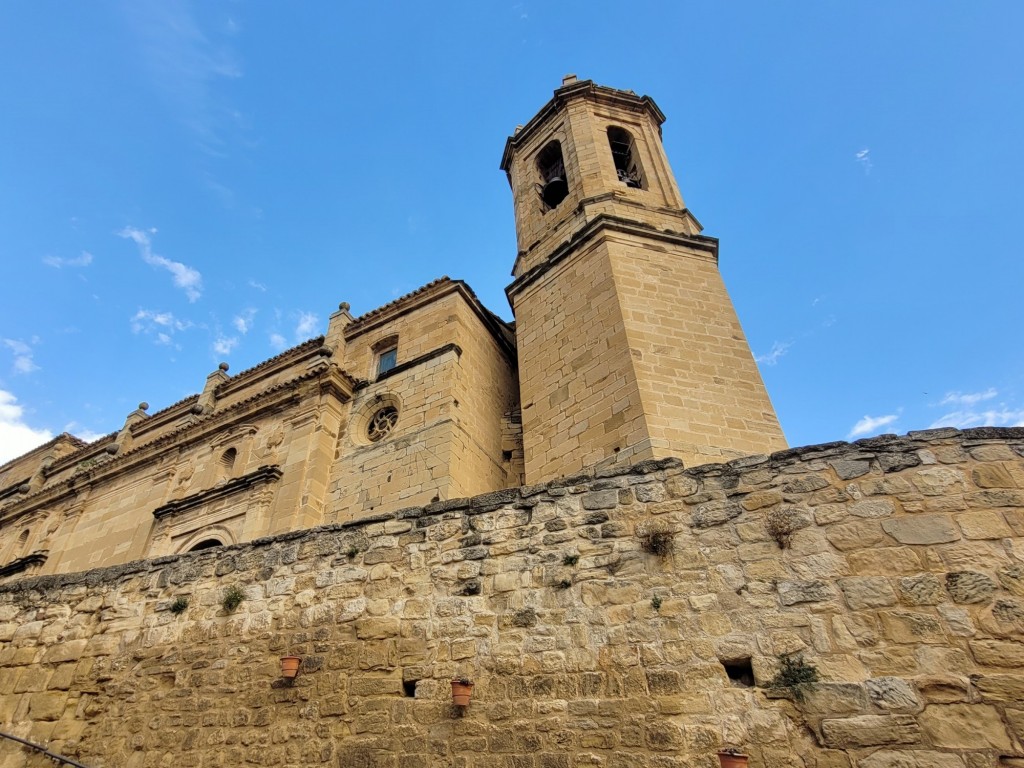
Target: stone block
column 47, row 706
column 848, row 469
column 922, row 529
column 794, row 592
column 870, row 731
column 867, row 592
column 377, row 628
column 911, row 627
column 992, row 476
column 969, row 587
column 892, row 693
column 1000, row 688
column 910, row 758
column 983, row 525
column 872, row 508
column 923, row 589
column 964, row 726
column 998, row 653
column 857, row 535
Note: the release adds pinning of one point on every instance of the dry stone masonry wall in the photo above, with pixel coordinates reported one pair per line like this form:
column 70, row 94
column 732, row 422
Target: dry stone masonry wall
column 620, row 618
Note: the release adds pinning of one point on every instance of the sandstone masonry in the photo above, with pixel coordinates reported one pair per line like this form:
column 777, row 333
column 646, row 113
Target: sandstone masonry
column 900, row 579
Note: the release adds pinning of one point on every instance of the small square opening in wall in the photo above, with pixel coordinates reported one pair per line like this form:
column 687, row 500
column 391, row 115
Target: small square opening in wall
column 409, row 688
column 740, row 672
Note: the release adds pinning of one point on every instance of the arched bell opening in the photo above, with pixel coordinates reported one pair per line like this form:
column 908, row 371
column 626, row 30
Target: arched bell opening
column 554, row 184
column 627, row 163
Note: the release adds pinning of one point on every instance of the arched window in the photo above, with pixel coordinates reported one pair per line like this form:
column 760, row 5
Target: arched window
column 227, row 459
column 627, row 163
column 206, row 544
column 554, row 184
column 22, row 542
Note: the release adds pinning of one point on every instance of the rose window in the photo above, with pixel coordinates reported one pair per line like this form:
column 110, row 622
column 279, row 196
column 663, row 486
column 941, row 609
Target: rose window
column 381, row 423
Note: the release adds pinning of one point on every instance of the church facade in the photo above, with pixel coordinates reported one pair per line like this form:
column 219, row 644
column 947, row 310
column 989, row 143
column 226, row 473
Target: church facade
column 625, row 347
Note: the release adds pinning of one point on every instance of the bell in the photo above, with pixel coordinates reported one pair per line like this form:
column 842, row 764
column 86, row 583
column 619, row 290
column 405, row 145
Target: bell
column 554, row 191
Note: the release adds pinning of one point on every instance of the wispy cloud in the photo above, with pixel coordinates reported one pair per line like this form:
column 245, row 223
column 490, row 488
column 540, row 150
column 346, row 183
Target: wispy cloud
column 188, row 65
column 308, row 323
column 277, row 341
column 87, row 435
column 258, row 286
column 871, row 424
column 971, row 398
column 57, row 262
column 224, row 344
column 185, row 277
column 17, row 437
column 159, row 326
column 992, row 417
column 23, row 362
column 779, row 348
column 243, row 321
column 864, row 159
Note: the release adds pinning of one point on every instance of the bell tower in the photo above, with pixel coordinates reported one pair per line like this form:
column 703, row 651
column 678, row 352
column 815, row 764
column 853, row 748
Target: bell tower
column 629, row 347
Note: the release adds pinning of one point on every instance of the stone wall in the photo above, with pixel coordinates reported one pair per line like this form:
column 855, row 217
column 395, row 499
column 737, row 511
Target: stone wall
column 893, row 566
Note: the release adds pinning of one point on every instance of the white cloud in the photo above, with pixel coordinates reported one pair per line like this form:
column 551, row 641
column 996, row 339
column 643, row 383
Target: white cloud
column 871, row 424
column 258, row 286
column 1001, row 417
column 87, row 435
column 78, row 261
column 17, row 437
column 277, row 341
column 307, row 324
column 779, row 348
column 159, row 326
column 185, row 277
column 862, row 157
column 223, row 345
column 971, row 398
column 243, row 322
column 23, row 362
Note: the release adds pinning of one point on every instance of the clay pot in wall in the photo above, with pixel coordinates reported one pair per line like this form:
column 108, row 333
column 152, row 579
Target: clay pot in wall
column 461, row 691
column 290, row 666
column 733, row 760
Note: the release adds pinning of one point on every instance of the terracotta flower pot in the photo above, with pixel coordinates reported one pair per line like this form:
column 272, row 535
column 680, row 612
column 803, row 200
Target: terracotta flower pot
column 290, row 666
column 461, row 692
column 729, row 760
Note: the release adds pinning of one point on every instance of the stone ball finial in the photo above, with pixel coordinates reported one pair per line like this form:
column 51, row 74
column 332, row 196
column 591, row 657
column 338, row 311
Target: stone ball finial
column 344, row 306
column 325, row 351
column 224, row 367
column 197, row 409
column 112, row 448
column 143, row 406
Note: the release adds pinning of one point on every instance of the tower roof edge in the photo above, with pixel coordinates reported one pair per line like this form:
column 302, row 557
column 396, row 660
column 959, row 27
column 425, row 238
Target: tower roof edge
column 580, row 89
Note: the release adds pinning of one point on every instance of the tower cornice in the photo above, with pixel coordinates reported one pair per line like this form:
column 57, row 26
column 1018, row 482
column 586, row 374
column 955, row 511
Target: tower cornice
column 575, row 90
column 595, row 228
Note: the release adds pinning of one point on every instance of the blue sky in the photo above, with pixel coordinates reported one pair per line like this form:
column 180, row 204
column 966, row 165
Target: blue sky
column 183, row 183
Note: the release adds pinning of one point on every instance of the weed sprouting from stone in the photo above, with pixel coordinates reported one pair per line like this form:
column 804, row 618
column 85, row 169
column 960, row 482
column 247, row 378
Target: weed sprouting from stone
column 179, row 605
column 656, row 603
column 233, row 597
column 657, row 540
column 794, row 675
column 570, row 559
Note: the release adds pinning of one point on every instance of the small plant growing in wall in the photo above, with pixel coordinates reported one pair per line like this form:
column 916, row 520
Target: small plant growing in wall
column 781, row 524
column 795, row 675
column 233, row 597
column 352, row 551
column 656, row 603
column 570, row 559
column 563, row 584
column 179, row 606
column 657, row 540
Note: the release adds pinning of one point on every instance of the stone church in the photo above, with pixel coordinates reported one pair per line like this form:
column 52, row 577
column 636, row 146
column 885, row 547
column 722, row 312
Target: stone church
column 625, row 347
column 433, row 538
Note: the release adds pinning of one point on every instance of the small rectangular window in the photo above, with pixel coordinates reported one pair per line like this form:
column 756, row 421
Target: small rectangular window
column 387, row 360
